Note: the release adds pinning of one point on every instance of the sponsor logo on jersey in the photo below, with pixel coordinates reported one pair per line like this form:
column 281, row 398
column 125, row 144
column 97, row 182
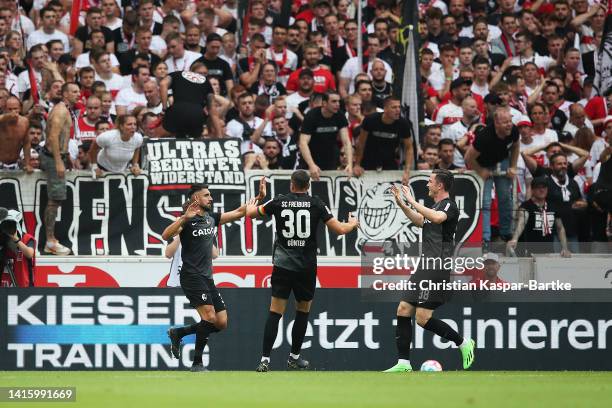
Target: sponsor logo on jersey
column 193, row 77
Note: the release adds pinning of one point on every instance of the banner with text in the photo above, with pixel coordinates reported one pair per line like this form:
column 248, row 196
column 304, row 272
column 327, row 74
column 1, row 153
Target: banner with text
column 125, row 329
column 124, row 215
column 174, row 162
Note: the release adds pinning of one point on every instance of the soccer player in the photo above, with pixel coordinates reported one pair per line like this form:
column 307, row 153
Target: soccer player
column 439, row 224
column 297, row 216
column 196, row 228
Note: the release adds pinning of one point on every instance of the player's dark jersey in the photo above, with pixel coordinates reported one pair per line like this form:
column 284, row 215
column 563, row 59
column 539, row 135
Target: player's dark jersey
column 190, row 87
column 197, row 239
column 439, row 239
column 297, row 216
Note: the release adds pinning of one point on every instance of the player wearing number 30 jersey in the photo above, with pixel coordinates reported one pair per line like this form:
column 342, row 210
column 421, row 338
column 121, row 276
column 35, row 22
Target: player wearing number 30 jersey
column 297, row 216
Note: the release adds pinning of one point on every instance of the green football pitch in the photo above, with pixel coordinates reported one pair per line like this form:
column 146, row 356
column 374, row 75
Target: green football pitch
column 136, row 389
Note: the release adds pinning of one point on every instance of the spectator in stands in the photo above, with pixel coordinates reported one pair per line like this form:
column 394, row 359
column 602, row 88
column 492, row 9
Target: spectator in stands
column 537, row 224
column 382, row 89
column 430, row 156
column 446, row 154
column 142, row 46
column 93, row 21
column 152, row 96
column 577, row 119
column 178, row 58
column 494, row 157
column 54, row 161
column 268, row 84
column 246, row 126
column 451, row 111
column 217, row 67
column 490, row 273
column 86, row 125
column 320, row 130
column 14, row 136
column 305, row 89
column 353, row 66
column 129, row 98
column 458, row 130
column 269, row 159
column 114, row 150
column 101, row 62
column 381, row 136
column 505, row 44
column 48, row 30
column 323, row 78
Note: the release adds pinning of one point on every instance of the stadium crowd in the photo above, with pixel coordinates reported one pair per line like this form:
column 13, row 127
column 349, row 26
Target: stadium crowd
column 508, row 91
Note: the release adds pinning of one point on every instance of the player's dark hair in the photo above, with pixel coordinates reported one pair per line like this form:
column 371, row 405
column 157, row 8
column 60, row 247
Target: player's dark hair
column 300, row 179
column 195, row 188
column 445, row 177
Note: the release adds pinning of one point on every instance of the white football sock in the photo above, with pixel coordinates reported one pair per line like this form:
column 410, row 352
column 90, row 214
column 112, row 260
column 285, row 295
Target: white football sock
column 265, row 359
column 294, row 356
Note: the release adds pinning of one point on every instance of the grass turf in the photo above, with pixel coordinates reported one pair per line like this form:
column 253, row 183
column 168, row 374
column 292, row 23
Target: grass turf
column 323, row 389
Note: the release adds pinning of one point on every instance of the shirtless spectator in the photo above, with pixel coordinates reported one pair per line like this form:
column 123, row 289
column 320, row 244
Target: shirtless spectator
column 14, row 136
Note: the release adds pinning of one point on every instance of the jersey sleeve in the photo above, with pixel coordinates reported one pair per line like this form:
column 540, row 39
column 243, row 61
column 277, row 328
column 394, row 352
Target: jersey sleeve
column 270, row 208
column 450, row 209
column 326, row 213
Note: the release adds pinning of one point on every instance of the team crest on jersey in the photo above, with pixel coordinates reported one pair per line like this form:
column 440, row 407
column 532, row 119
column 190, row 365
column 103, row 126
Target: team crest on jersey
column 194, row 77
column 204, row 297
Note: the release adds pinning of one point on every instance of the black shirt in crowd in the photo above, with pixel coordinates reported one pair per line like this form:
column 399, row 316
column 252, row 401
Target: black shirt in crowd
column 382, row 142
column 492, row 149
column 323, row 137
column 82, row 34
column 126, row 59
column 218, row 68
column 190, row 87
column 290, row 148
column 540, row 229
column 380, row 94
column 297, row 216
column 561, row 196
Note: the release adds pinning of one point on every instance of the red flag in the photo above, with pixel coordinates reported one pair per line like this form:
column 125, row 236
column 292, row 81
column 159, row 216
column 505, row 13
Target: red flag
column 33, row 84
column 74, row 16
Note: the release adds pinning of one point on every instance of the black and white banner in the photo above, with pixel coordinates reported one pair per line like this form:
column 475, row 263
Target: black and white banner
column 173, row 162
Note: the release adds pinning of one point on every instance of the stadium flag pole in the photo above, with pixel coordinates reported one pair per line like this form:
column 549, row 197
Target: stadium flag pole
column 244, row 7
column 74, row 16
column 407, row 81
column 28, row 61
column 603, row 74
column 359, row 37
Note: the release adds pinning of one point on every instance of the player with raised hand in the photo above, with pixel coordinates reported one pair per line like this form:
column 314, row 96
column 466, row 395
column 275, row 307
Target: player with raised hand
column 196, row 228
column 297, row 216
column 439, row 224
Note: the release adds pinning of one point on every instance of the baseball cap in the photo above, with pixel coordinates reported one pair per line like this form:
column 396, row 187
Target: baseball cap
column 318, row 3
column 539, row 182
column 460, row 82
column 491, row 256
column 524, row 121
column 306, row 72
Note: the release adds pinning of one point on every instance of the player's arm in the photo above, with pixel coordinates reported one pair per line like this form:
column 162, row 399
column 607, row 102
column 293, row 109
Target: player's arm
column 177, row 226
column 436, row 217
column 416, row 218
column 172, row 247
column 244, row 209
column 342, row 228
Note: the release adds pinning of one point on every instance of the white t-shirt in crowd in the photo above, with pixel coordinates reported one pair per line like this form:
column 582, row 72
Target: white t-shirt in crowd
column 83, row 60
column 236, row 129
column 455, row 132
column 182, row 64
column 40, row 37
column 115, row 154
column 352, row 67
column 131, row 99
